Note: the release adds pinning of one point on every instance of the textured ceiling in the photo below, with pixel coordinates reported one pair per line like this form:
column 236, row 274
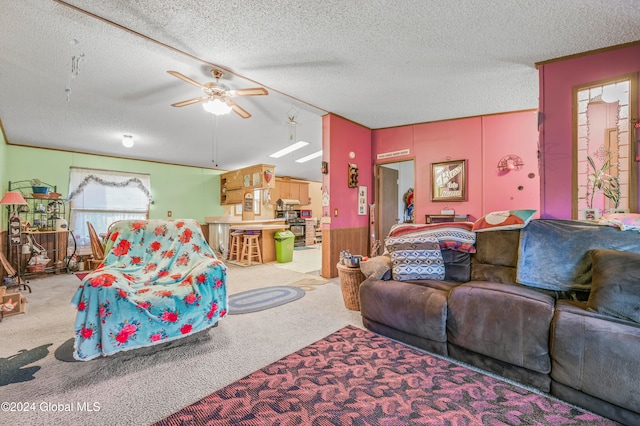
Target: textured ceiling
column 377, row 63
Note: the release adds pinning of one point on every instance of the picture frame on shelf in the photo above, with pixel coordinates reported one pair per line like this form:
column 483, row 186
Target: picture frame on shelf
column 589, row 214
column 449, row 181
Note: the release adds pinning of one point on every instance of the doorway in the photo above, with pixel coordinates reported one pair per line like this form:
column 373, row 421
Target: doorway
column 394, row 181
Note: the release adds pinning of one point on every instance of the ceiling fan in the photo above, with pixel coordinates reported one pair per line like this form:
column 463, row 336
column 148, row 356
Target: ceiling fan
column 218, row 98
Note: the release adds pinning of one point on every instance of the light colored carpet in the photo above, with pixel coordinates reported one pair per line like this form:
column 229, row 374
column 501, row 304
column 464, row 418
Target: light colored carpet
column 142, row 387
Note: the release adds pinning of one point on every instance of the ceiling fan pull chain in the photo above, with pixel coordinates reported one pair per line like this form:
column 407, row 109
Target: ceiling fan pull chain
column 214, row 158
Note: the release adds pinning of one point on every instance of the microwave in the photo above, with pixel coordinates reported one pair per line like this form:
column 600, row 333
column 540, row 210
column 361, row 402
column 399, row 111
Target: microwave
column 306, row 214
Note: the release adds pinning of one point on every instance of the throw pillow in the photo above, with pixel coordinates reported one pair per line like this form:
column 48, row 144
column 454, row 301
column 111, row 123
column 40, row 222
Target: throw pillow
column 415, row 258
column 615, row 285
column 378, row 267
column 504, row 220
column 623, row 221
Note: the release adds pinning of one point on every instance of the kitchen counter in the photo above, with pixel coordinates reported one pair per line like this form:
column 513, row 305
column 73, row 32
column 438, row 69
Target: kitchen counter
column 243, row 226
column 219, row 230
column 267, row 241
column 238, row 220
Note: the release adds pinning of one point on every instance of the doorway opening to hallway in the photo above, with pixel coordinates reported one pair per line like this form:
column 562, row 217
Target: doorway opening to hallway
column 394, row 198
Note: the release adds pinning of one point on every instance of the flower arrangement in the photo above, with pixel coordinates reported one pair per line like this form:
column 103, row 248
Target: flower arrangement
column 601, row 180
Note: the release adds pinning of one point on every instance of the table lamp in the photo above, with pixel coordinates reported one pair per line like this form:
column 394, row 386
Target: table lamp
column 13, row 198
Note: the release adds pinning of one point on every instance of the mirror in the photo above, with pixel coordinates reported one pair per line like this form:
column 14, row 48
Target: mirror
column 604, row 167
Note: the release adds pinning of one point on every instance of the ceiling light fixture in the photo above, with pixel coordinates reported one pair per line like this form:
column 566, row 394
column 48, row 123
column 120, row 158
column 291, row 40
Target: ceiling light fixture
column 127, row 141
column 309, row 157
column 216, row 107
column 289, row 149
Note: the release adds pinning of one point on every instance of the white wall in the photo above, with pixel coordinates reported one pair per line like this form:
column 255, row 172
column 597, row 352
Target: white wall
column 406, row 180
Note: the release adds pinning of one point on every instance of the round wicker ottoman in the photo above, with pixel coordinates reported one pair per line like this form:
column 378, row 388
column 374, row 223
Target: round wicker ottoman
column 350, row 280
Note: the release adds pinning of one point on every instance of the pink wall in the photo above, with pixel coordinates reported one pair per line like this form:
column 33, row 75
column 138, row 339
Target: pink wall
column 511, row 134
column 483, row 141
column 340, row 137
column 556, row 82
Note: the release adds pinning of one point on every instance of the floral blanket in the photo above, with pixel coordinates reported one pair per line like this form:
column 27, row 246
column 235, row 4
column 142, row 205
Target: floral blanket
column 159, row 281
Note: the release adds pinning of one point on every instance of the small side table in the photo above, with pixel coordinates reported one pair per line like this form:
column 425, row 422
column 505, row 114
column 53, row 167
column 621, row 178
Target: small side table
column 350, row 280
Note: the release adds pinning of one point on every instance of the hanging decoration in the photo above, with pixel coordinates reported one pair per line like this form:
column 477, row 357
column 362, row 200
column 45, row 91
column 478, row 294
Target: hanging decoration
column 75, row 68
column 510, row 162
column 100, row 181
column 292, row 116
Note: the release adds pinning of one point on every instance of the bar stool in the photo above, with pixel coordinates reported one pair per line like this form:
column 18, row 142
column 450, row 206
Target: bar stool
column 251, row 248
column 235, row 249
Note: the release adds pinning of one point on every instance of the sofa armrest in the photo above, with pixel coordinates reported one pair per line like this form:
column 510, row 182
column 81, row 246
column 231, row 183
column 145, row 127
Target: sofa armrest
column 596, row 354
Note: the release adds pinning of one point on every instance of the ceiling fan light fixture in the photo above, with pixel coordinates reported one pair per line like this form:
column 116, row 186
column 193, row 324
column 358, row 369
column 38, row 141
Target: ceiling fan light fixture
column 216, row 107
column 288, row 149
column 309, row 157
column 127, row 141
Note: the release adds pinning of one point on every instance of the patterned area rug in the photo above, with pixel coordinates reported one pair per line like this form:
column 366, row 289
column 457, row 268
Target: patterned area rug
column 356, row 377
column 263, row 298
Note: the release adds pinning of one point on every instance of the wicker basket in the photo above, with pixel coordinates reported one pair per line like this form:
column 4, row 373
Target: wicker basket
column 36, row 268
column 350, row 280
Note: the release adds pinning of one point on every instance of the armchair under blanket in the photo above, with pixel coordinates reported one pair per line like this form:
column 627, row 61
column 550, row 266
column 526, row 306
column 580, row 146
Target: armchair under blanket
column 159, row 281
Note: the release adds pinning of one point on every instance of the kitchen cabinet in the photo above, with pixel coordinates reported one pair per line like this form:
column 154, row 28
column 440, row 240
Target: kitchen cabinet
column 235, row 183
column 304, row 194
column 234, row 196
column 291, row 190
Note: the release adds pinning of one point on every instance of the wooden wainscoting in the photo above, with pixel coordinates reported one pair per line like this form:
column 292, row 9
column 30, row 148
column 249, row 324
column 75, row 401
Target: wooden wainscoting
column 356, row 240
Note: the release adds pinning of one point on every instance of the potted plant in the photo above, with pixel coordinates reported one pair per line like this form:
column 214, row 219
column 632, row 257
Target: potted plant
column 600, row 180
column 38, row 187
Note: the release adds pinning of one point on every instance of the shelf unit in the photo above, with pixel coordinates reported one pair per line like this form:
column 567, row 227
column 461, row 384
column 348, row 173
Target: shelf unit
column 44, row 221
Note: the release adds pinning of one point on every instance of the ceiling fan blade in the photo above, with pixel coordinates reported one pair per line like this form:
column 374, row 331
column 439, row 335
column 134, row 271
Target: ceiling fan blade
column 185, row 78
column 256, row 91
column 238, row 109
column 189, row 102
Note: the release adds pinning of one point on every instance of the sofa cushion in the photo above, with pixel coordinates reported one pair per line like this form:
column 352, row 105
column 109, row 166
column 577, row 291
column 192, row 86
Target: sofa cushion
column 457, row 265
column 378, row 267
column 615, row 286
column 596, row 354
column 506, row 322
column 418, row 310
column 504, row 220
column 415, row 258
column 496, row 256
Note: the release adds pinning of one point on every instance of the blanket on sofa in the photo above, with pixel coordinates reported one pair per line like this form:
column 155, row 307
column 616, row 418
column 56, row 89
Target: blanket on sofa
column 159, row 281
column 555, row 254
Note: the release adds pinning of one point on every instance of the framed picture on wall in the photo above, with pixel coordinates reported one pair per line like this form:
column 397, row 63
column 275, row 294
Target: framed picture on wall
column 449, row 181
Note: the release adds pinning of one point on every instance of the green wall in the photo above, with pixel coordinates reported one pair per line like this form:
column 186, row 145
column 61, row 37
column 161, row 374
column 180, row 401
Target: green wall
column 189, row 192
column 3, row 176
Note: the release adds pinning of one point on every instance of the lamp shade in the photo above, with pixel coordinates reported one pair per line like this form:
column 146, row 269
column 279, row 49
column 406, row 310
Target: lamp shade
column 13, row 197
